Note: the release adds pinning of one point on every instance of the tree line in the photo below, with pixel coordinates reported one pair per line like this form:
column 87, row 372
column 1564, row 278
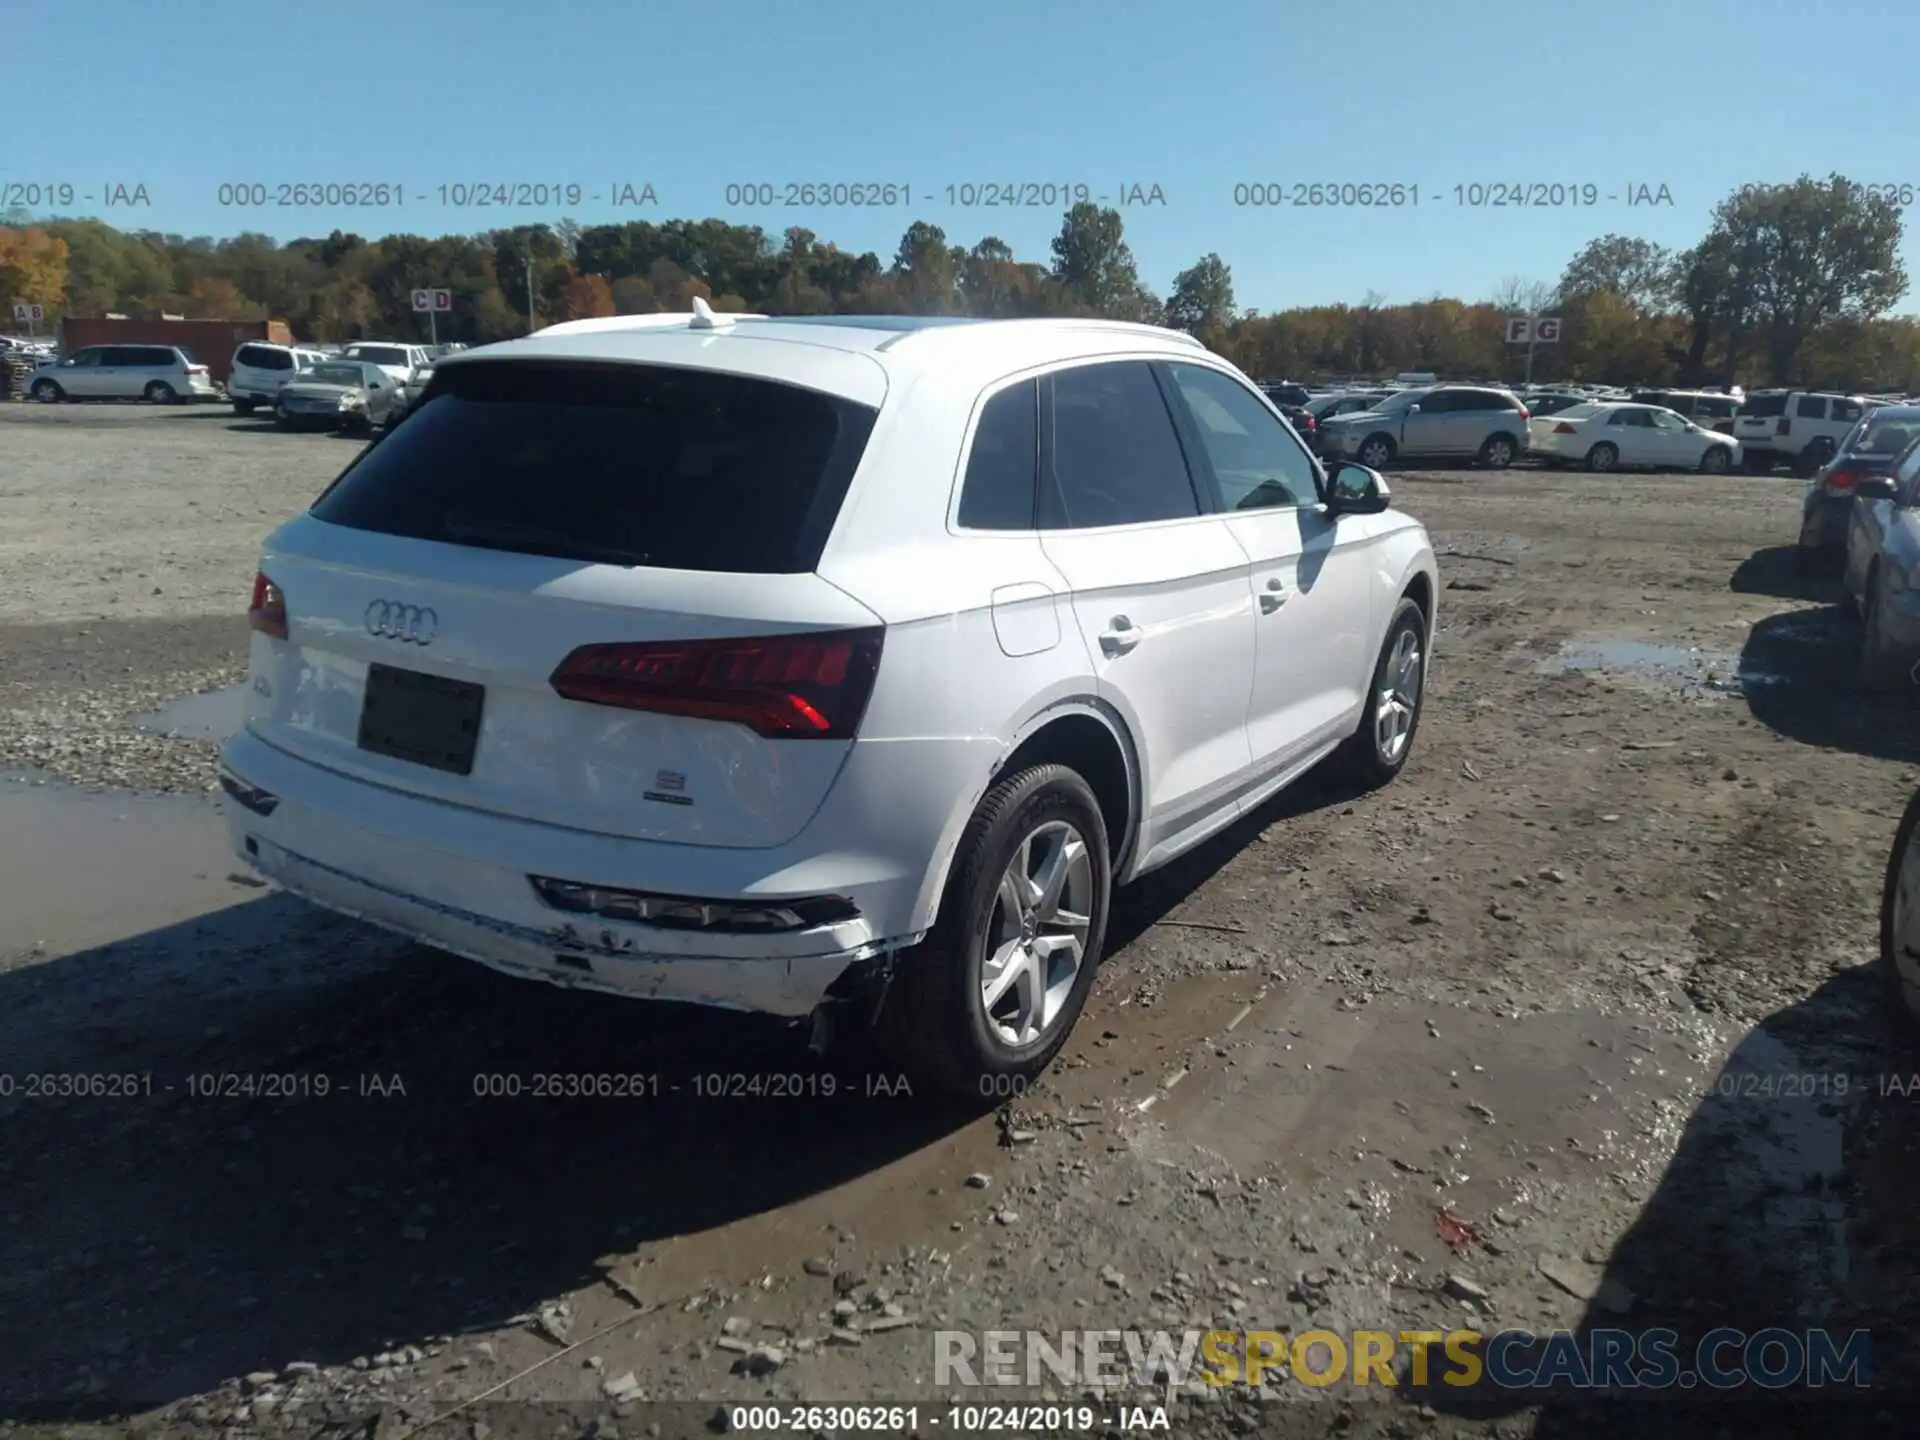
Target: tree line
column 1790, row 283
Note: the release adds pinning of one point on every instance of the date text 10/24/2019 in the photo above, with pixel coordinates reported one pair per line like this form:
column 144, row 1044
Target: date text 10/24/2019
column 451, row 195
column 1470, row 195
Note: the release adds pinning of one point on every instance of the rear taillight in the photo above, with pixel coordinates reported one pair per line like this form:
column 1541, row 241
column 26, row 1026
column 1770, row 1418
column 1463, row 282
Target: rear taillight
column 267, row 612
column 198, row 370
column 1840, row 482
column 812, row 686
column 1525, row 414
column 1783, row 426
column 1563, row 428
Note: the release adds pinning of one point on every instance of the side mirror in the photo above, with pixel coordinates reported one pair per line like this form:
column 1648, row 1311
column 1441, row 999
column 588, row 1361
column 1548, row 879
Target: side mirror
column 1875, row 487
column 1413, row 409
column 1356, row 490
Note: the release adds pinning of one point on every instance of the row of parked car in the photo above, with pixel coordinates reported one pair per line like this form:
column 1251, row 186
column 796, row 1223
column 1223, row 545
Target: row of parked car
column 359, row 387
column 1598, row 428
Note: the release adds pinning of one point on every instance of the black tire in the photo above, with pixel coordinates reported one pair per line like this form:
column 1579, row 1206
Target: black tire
column 1757, row 464
column 160, row 393
column 243, row 407
column 1376, row 452
column 48, row 392
column 1904, row 993
column 1809, row 461
column 1499, row 452
column 1881, row 668
column 281, row 419
column 1714, row 461
column 1810, row 561
column 1362, row 753
column 932, row 1022
column 1602, row 458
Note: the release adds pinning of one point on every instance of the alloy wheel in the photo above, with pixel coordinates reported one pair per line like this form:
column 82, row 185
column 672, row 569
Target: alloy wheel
column 1398, row 700
column 1036, row 934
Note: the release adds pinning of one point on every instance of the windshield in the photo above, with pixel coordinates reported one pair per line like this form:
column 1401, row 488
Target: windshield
column 336, row 375
column 1399, row 400
column 1580, row 412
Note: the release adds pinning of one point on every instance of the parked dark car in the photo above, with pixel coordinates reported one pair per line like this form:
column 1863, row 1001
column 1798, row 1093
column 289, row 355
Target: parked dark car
column 1286, row 392
column 1872, row 448
column 1900, row 919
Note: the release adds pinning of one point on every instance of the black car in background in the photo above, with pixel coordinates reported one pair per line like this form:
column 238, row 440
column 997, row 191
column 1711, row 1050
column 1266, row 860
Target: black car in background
column 1872, row 448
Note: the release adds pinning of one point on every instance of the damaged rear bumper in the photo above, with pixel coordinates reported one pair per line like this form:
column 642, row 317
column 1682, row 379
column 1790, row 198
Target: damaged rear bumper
column 461, row 883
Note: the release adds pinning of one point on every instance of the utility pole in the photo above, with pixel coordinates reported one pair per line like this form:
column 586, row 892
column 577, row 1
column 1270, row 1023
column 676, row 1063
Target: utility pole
column 531, row 326
column 1533, row 323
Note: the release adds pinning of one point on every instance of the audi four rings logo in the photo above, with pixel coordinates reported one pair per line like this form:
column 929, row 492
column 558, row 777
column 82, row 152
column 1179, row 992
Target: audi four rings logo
column 409, row 624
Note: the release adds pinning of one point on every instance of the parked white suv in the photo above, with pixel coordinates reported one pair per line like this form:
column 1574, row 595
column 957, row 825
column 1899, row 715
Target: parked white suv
column 399, row 361
column 260, row 369
column 1801, row 428
column 163, row 374
column 773, row 663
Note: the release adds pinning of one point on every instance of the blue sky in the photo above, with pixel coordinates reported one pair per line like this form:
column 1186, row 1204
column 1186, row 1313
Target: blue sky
column 1195, row 98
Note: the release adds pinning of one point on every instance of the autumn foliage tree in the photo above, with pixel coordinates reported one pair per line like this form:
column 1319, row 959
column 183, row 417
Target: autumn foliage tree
column 33, row 268
column 586, row 297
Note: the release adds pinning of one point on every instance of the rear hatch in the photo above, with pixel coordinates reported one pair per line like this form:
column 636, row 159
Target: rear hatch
column 1760, row 417
column 639, row 537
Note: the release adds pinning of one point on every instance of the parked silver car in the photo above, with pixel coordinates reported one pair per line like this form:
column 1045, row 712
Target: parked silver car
column 1439, row 421
column 1881, row 574
column 340, row 395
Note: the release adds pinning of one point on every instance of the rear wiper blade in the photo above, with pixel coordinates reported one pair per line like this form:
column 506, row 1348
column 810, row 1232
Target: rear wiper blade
column 534, row 540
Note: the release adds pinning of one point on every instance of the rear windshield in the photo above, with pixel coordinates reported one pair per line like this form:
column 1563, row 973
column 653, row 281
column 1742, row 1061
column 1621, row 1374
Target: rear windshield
column 378, row 354
column 1767, row 406
column 1885, row 438
column 616, row 464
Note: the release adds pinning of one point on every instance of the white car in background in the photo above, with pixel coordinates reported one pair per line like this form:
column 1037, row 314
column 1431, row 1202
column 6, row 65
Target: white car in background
column 399, row 361
column 776, row 663
column 260, row 369
column 159, row 374
column 1604, row 436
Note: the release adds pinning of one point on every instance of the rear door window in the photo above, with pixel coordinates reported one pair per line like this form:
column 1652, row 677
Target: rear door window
column 1003, row 467
column 1811, row 407
column 632, row 465
column 1116, row 459
column 1846, row 410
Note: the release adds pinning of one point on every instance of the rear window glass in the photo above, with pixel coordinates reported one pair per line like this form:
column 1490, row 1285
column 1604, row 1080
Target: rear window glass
column 261, row 358
column 1883, row 437
column 1765, row 407
column 380, row 354
column 617, row 464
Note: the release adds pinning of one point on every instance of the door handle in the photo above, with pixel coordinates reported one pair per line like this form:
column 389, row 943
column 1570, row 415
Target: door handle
column 1120, row 636
column 1274, row 596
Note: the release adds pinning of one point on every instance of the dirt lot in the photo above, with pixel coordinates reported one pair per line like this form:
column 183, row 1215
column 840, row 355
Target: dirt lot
column 1593, row 976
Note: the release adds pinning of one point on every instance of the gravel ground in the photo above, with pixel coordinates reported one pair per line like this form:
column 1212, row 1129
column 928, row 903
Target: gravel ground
column 1546, row 984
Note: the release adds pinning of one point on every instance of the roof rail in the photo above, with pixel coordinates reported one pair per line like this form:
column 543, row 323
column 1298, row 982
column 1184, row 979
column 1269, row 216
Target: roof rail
column 605, row 323
column 1053, row 322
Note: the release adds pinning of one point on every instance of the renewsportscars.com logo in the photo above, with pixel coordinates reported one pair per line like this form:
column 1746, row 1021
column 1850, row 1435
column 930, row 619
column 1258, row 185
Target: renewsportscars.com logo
column 1600, row 1359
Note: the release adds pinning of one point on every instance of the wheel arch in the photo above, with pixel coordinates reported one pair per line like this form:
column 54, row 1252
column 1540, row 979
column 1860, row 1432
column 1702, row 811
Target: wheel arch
column 1089, row 737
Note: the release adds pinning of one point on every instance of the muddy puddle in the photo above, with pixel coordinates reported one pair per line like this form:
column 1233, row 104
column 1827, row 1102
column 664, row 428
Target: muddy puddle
column 1687, row 668
column 84, row 868
column 211, row 716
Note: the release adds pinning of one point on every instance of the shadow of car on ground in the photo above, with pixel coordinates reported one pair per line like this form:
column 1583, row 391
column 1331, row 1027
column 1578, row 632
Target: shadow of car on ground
column 310, row 1158
column 1787, row 1209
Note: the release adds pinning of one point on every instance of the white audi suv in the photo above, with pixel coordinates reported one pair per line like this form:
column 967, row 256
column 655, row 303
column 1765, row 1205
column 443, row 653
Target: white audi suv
column 782, row 663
